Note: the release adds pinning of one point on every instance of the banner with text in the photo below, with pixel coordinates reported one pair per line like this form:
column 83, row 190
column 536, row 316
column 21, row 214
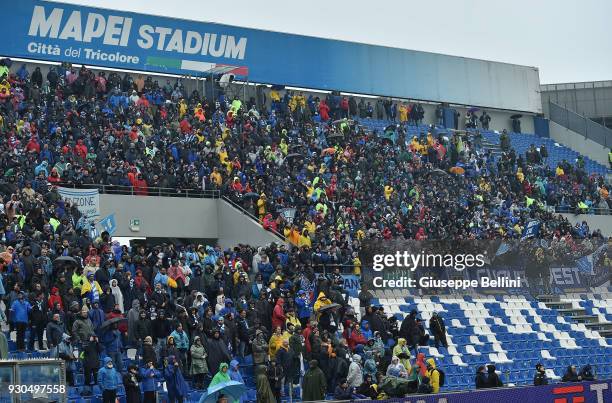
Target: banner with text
column 86, row 200
column 101, row 37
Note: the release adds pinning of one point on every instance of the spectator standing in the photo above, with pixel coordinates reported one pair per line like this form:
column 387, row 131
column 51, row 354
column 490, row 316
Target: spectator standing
column 19, row 313
column 109, row 380
column 262, row 384
column 314, row 384
column 438, row 329
column 131, row 384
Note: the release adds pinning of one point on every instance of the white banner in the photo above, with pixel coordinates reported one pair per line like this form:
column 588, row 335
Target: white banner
column 86, row 200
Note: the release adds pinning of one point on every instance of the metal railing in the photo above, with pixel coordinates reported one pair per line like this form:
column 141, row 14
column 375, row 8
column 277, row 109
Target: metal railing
column 149, row 191
column 591, row 211
column 580, row 124
column 251, row 216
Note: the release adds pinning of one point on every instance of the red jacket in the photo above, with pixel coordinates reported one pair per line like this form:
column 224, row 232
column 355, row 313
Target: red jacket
column 80, row 149
column 278, row 315
column 55, row 299
column 323, row 110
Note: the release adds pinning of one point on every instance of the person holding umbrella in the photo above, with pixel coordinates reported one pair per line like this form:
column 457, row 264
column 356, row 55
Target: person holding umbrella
column 111, row 339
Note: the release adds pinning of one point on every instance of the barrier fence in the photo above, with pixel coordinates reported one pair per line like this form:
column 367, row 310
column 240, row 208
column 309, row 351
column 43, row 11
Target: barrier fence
column 580, row 124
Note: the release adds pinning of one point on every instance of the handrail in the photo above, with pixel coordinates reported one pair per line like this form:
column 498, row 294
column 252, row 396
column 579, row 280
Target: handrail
column 591, row 211
column 252, row 216
column 580, row 124
column 149, row 191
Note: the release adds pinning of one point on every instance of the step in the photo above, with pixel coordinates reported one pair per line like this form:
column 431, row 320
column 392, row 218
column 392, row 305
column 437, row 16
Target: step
column 586, row 318
column 599, row 326
column 560, row 306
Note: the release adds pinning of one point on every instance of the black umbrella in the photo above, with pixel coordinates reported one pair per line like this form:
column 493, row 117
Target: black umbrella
column 65, row 259
column 293, row 155
column 250, row 195
column 110, row 322
column 474, row 109
column 328, row 307
column 516, row 116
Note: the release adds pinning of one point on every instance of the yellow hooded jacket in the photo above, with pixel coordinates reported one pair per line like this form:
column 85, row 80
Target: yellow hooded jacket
column 434, row 375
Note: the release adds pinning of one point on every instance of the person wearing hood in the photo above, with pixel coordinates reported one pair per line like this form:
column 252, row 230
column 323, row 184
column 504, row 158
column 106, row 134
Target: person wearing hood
column 437, row 328
column 586, row 373
column 181, row 340
column 217, row 351
column 571, row 375
column 262, row 384
column 493, row 380
column 178, row 389
column 420, row 364
column 402, row 351
column 369, row 365
column 55, row 298
column 234, row 374
column 314, row 384
column 481, row 378
column 220, row 305
column 321, row 301
column 365, row 330
column 221, row 376
column 355, row 375
column 433, row 373
column 109, row 380
column 540, row 377
column 133, row 316
column 260, row 348
column 304, row 311
column 396, row 368
column 278, row 314
column 199, row 369
column 116, row 291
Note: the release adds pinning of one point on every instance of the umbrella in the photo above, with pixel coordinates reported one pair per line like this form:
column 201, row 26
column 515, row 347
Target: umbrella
column 473, row 109
column 333, row 135
column 65, row 259
column 293, row 155
column 111, row 322
column 278, row 87
column 250, row 195
column 516, row 116
column 328, row 307
column 342, row 120
column 232, row 389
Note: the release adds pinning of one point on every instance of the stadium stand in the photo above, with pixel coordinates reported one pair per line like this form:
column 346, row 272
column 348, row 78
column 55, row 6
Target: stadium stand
column 349, row 180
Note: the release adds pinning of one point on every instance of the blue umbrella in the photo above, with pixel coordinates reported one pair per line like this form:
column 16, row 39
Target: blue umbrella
column 232, row 389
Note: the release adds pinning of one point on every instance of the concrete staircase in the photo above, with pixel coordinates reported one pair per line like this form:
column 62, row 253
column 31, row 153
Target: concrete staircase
column 578, row 315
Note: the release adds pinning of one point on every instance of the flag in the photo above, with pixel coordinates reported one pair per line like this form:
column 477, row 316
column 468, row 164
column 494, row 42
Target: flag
column 531, row 230
column 586, row 264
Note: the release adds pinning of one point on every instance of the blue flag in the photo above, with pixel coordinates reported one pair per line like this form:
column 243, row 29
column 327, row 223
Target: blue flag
column 531, row 230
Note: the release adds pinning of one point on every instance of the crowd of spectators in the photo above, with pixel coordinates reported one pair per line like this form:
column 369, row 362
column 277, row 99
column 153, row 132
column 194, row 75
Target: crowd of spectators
column 195, row 309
